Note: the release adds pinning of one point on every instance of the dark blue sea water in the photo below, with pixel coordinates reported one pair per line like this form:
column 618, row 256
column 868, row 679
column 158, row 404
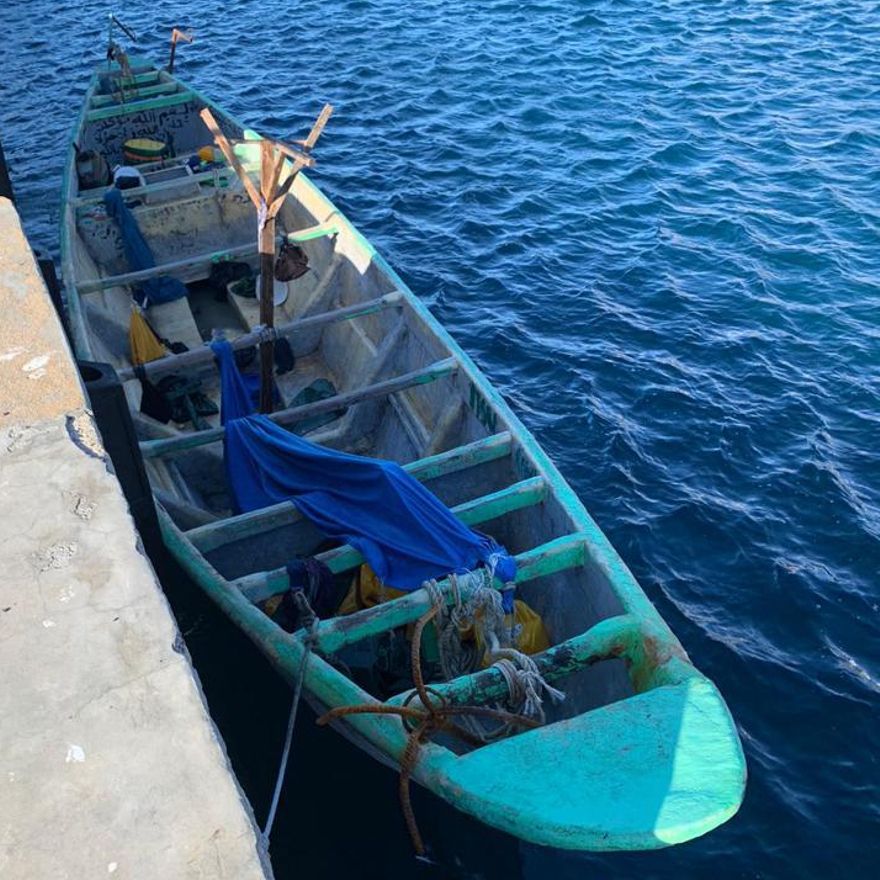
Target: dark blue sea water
column 656, row 226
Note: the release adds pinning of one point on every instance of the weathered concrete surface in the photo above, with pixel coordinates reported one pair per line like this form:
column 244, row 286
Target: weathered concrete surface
column 36, row 380
column 109, row 762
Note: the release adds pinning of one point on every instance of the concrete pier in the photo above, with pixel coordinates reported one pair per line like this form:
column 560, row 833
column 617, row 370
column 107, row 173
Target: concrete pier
column 110, row 765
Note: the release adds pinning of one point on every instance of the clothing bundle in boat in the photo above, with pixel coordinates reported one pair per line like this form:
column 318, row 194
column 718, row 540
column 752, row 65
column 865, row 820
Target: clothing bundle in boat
column 154, row 290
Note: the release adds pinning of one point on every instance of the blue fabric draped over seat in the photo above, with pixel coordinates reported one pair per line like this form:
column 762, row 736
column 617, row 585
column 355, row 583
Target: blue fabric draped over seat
column 238, row 394
column 405, row 533
column 154, row 290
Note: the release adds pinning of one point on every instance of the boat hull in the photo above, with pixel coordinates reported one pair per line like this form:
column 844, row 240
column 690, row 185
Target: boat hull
column 643, row 753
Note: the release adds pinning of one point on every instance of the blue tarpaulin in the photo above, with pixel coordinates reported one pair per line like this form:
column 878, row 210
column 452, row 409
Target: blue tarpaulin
column 155, row 290
column 238, row 393
column 405, row 533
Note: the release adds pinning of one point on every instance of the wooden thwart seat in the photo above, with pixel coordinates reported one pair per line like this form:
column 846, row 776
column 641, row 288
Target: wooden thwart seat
column 204, row 355
column 263, row 584
column 133, row 93
column 292, row 415
column 155, row 103
column 135, row 192
column 246, row 525
column 243, row 250
column 337, row 632
column 129, row 278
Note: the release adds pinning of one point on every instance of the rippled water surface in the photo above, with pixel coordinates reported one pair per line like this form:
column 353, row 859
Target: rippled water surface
column 655, row 226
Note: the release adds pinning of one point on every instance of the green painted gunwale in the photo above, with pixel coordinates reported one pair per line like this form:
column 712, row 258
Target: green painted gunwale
column 658, row 768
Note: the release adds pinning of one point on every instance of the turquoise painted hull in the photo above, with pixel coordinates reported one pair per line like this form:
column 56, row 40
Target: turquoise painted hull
column 643, row 753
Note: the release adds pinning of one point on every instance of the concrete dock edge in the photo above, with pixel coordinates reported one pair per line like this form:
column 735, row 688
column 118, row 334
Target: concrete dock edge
column 110, row 765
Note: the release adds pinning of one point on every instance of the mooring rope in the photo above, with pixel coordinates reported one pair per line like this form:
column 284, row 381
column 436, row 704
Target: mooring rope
column 436, row 714
column 310, row 621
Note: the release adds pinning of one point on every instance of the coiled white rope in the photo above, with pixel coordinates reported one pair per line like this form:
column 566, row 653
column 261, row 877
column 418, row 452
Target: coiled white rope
column 484, row 612
column 525, row 684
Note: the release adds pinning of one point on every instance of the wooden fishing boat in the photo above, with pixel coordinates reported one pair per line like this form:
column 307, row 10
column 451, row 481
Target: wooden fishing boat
column 642, row 753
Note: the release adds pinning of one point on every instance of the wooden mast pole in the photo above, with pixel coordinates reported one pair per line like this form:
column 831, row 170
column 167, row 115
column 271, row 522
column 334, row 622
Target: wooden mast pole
column 176, row 35
column 267, row 272
column 268, row 201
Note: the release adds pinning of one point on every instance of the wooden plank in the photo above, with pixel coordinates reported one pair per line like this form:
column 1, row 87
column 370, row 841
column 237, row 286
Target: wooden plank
column 176, row 35
column 337, row 632
column 461, row 458
column 165, row 269
column 226, row 148
column 245, row 525
column 142, row 74
column 161, row 164
column 437, row 370
column 318, row 127
column 297, row 155
column 137, row 106
column 488, row 507
column 161, row 88
column 186, row 263
column 151, row 188
column 264, row 584
column 204, row 355
column 272, row 192
column 312, row 232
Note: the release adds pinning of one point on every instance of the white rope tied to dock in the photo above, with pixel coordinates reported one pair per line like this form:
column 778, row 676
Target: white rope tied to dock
column 310, row 622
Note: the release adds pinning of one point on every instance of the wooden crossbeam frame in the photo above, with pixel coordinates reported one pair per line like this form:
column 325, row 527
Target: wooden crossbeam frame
column 527, row 493
column 424, row 375
column 242, row 250
column 338, row 632
column 267, row 201
column 246, row 525
column 204, row 354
